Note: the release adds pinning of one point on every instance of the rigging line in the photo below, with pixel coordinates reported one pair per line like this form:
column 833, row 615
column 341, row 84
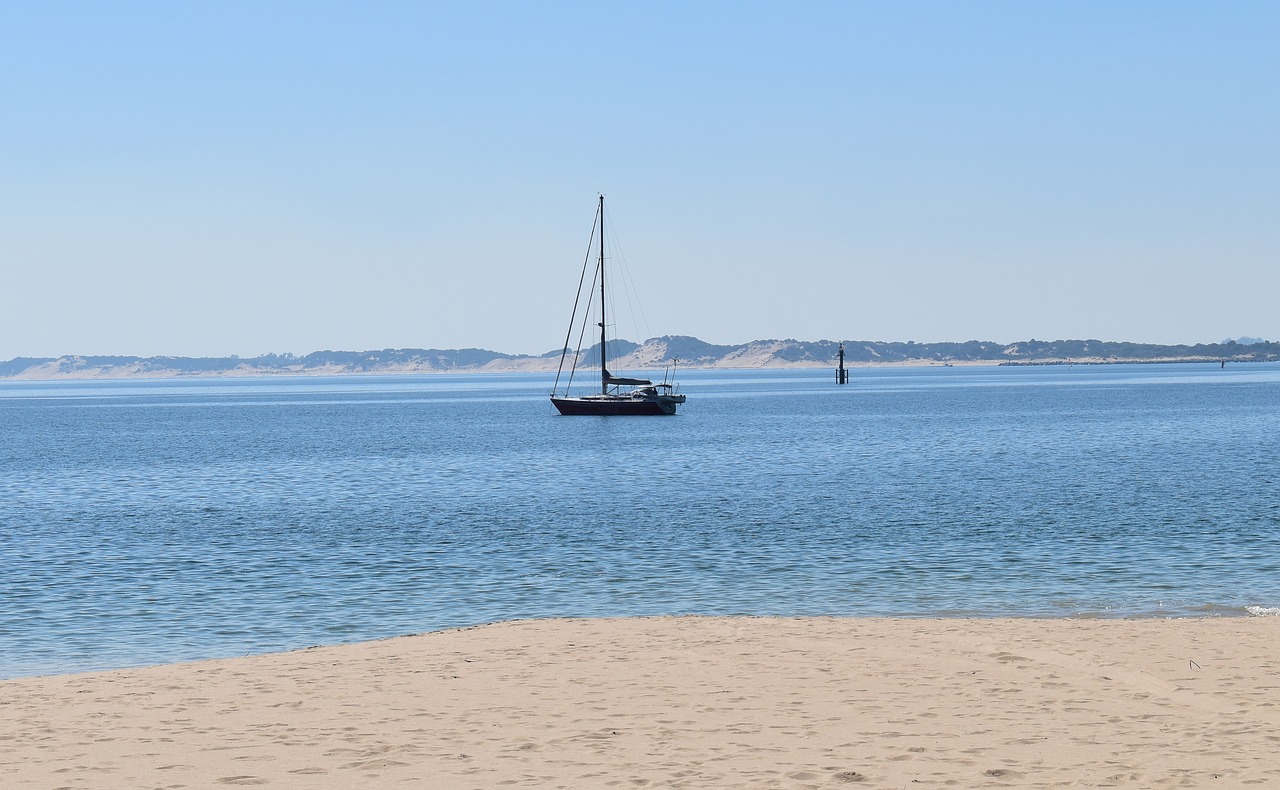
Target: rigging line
column 634, row 305
column 577, row 298
column 586, row 319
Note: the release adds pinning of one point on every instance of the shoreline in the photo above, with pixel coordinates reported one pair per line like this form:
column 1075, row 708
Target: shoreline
column 687, row 702
column 131, row 373
column 1217, row 613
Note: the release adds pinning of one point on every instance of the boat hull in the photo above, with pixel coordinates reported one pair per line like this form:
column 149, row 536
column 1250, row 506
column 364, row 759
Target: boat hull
column 615, row 406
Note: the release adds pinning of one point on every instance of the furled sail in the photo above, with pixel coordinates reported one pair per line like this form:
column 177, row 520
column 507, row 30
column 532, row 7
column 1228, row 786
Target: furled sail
column 609, row 378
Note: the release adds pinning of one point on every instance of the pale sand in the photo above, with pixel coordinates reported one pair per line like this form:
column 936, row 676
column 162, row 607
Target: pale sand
column 681, row 702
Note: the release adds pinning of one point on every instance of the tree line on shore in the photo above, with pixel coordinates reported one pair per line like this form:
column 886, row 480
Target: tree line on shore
column 690, row 351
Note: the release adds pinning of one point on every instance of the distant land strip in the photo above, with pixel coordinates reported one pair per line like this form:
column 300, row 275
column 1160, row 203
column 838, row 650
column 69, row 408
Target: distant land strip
column 653, row 353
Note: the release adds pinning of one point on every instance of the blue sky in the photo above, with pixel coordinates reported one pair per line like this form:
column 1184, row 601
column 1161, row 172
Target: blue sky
column 218, row 178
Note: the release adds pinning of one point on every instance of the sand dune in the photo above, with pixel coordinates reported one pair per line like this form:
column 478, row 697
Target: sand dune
column 681, row 702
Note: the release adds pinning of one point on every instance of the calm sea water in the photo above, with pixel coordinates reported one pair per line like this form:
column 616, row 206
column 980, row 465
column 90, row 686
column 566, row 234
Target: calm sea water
column 151, row 521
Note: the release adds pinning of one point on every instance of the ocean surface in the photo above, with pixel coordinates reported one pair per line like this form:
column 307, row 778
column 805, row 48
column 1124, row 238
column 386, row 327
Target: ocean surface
column 153, row 521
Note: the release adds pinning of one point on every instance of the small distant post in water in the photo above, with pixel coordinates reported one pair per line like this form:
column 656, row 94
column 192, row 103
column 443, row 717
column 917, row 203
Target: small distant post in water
column 842, row 375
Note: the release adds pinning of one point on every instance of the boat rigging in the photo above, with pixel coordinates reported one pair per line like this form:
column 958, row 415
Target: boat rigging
column 641, row 396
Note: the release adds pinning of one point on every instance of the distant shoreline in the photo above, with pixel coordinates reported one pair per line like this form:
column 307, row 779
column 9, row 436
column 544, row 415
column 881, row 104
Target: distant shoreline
column 241, row 373
column 654, row 354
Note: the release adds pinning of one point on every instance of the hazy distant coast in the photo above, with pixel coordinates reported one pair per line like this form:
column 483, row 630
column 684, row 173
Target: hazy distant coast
column 653, row 353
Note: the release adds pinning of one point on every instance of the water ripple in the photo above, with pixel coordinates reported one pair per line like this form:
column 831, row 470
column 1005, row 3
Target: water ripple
column 198, row 519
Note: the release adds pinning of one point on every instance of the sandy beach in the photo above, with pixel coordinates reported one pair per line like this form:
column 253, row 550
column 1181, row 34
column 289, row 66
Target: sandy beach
column 687, row 702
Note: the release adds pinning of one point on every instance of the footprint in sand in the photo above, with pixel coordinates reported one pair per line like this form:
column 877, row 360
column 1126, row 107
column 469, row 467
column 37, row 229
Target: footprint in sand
column 1002, row 773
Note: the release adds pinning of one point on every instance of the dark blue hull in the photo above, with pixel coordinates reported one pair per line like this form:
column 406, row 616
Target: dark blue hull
column 617, row 406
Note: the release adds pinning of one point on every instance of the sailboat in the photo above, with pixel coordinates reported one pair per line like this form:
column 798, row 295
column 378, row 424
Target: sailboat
column 618, row 395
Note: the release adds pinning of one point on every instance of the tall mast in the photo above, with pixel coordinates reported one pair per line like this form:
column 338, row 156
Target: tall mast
column 604, row 376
